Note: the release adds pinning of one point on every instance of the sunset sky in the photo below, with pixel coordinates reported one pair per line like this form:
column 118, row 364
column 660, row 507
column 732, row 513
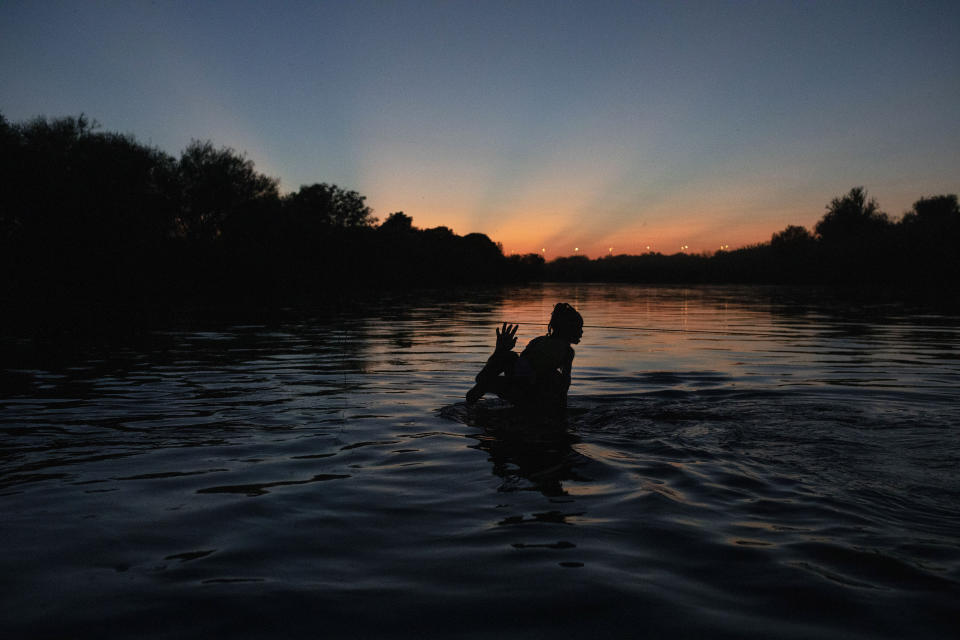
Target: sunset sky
column 546, row 125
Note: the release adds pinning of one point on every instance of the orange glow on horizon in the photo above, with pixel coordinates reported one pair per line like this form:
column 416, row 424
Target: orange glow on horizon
column 686, row 236
column 556, row 218
column 554, row 235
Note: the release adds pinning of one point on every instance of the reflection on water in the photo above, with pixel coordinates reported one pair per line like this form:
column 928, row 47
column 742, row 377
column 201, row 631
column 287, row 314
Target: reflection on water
column 739, row 462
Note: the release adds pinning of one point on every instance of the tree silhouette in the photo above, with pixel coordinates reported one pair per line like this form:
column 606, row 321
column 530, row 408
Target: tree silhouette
column 937, row 212
column 397, row 222
column 82, row 209
column 328, row 205
column 857, row 239
column 930, row 238
column 792, row 237
column 852, row 218
column 217, row 184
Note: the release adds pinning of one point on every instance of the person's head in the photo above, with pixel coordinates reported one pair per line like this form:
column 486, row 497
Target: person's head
column 565, row 323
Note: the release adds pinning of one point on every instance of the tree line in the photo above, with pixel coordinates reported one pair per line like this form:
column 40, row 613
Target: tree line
column 855, row 242
column 93, row 214
column 100, row 216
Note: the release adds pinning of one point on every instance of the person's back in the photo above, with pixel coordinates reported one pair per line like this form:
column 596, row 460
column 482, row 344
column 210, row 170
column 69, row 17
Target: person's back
column 539, row 372
column 547, row 353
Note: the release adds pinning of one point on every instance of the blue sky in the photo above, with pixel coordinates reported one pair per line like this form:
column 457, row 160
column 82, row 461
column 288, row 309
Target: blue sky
column 546, row 125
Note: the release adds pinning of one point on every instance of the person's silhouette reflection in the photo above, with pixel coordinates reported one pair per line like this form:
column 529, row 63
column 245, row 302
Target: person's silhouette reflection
column 524, row 454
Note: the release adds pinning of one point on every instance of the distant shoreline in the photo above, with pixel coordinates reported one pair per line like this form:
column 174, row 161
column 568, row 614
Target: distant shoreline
column 98, row 218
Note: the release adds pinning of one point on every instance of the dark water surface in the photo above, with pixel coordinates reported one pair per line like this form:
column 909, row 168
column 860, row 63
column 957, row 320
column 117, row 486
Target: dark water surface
column 777, row 469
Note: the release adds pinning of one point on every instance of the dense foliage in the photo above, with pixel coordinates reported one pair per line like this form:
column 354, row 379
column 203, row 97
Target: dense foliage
column 100, row 216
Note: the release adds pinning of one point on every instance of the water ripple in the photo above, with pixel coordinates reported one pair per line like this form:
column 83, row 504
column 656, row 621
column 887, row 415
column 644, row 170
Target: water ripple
column 319, row 473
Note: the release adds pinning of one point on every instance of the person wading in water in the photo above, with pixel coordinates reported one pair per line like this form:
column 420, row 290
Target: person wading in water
column 539, row 377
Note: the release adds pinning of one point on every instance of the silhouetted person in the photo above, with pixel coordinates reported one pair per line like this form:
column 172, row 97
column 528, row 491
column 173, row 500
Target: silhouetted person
column 539, row 377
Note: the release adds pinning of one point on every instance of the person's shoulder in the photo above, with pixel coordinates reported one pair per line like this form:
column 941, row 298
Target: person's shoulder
column 536, row 341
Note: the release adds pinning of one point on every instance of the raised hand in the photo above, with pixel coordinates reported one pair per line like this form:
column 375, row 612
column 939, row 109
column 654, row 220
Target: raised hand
column 507, row 337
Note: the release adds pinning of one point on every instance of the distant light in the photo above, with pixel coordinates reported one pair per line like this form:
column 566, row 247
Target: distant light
column 576, row 248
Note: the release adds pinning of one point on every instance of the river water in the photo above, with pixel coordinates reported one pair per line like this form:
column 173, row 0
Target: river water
column 734, row 462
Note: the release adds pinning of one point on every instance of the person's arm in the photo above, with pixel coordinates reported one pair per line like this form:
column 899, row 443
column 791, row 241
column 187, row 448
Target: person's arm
column 502, row 359
column 566, row 371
